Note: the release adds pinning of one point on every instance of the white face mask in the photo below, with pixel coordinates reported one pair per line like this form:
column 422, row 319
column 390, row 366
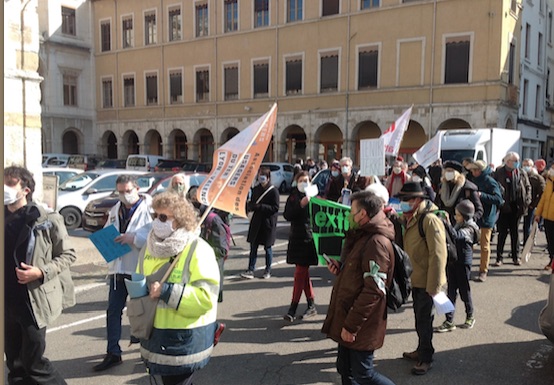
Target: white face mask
column 345, row 169
column 303, row 186
column 129, row 199
column 449, row 175
column 10, row 195
column 161, row 229
column 397, row 170
column 416, row 179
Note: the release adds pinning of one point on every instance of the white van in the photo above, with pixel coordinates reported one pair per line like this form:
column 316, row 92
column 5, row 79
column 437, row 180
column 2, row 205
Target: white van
column 142, row 162
column 54, row 160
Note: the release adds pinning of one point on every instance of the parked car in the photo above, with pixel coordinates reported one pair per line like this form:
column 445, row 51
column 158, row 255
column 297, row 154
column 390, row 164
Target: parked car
column 63, row 173
column 193, row 166
column 55, row 160
column 170, row 165
column 96, row 212
column 85, row 162
column 76, row 192
column 143, row 162
column 321, row 179
column 281, row 175
column 112, row 163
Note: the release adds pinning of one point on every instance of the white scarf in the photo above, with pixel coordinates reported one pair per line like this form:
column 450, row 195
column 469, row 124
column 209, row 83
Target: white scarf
column 170, row 246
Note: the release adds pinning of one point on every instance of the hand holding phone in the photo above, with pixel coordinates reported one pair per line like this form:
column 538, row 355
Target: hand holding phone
column 327, row 259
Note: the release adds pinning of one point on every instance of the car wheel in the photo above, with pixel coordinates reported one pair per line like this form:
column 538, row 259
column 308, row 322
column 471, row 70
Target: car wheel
column 283, row 188
column 72, row 217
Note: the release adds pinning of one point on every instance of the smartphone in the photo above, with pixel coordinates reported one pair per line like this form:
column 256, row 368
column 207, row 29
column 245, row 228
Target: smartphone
column 327, row 259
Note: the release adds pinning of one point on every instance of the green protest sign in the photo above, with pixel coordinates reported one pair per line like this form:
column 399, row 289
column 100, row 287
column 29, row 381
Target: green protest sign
column 329, row 223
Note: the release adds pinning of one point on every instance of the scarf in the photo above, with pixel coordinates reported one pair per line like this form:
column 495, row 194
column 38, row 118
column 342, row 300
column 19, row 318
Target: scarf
column 449, row 197
column 170, row 246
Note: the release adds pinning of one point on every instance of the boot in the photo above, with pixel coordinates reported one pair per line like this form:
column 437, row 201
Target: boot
column 291, row 314
column 311, row 310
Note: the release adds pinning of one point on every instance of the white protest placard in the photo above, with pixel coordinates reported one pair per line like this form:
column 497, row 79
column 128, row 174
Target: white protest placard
column 430, row 151
column 372, row 157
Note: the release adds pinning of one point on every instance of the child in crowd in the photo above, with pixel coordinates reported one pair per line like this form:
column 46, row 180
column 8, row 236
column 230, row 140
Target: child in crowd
column 464, row 234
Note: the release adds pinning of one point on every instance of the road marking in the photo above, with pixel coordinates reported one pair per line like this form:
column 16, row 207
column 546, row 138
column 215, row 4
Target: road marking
column 82, row 288
column 83, row 321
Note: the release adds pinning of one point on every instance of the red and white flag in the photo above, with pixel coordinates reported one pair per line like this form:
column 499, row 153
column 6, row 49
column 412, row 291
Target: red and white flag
column 236, row 164
column 393, row 136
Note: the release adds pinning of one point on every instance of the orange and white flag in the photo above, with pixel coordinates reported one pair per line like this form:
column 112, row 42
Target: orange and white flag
column 236, row 164
column 394, row 134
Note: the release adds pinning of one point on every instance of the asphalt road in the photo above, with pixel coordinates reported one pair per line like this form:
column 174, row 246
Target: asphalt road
column 259, row 347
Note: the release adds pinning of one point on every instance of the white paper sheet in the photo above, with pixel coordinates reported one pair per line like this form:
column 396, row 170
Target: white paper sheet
column 442, row 304
column 312, row 191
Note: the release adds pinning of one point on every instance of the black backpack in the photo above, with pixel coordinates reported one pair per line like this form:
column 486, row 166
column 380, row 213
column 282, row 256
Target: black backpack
column 452, row 251
column 401, row 285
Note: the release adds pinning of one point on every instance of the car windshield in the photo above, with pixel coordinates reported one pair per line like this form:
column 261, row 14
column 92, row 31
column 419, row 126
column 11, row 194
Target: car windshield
column 78, row 181
column 457, row 155
column 190, row 166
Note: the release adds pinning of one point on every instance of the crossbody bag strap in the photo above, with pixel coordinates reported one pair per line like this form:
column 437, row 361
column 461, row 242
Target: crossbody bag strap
column 141, row 259
column 263, row 195
column 170, row 269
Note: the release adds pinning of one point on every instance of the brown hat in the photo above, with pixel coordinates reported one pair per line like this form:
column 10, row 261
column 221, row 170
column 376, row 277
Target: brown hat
column 479, row 165
column 411, row 190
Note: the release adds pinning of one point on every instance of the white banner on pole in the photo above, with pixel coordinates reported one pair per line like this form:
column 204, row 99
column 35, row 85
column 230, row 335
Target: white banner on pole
column 394, row 134
column 430, row 151
column 372, row 157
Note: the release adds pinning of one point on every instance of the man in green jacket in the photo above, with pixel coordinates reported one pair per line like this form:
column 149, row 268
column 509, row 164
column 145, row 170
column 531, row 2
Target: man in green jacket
column 428, row 257
column 38, row 284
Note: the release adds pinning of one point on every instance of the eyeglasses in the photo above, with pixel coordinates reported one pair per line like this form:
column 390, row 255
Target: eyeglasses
column 161, row 217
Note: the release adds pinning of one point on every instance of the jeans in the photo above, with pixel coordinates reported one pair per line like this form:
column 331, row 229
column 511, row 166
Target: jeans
column 254, row 256
column 458, row 280
column 423, row 311
column 24, row 349
column 485, row 243
column 356, row 368
column 527, row 223
column 116, row 302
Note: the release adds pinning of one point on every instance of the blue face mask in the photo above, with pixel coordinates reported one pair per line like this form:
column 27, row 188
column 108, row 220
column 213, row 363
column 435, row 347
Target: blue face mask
column 335, row 173
column 262, row 179
column 516, row 164
column 405, row 207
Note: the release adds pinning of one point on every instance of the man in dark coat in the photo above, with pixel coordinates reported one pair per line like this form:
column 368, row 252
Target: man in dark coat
column 263, row 226
column 491, row 198
column 517, row 197
column 357, row 315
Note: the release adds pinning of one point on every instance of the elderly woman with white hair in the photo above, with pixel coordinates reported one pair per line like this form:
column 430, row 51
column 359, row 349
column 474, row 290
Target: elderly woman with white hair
column 179, row 184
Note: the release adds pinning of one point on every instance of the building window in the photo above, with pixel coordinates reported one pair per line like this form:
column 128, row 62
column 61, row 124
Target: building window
column 68, row 21
column 176, row 87
column 202, row 20
column 538, row 106
column 368, row 4
column 294, row 10
column 527, row 41
column 107, row 93
column 69, row 90
column 175, row 24
column 367, row 68
column 231, row 83
column 105, row 36
column 202, row 85
column 151, row 89
column 456, row 66
column 293, row 82
column 231, row 15
column 550, row 26
column 329, row 76
column 127, row 31
column 513, row 6
column 547, row 95
column 261, row 13
column 150, row 28
column 511, row 63
column 539, row 54
column 129, row 91
column 525, row 95
column 261, row 80
column 330, row 7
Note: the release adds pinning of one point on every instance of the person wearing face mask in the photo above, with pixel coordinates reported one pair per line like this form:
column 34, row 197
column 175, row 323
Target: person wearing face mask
column 301, row 248
column 428, row 256
column 37, row 280
column 132, row 217
column 537, row 183
column 419, row 175
column 545, row 211
column 264, row 204
column 397, row 178
column 357, row 315
column 179, row 184
column 185, row 327
column 335, row 184
column 454, row 189
column 517, row 198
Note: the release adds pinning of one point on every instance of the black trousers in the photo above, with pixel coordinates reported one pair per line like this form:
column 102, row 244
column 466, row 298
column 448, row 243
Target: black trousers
column 507, row 222
column 24, row 348
column 458, row 276
column 184, row 379
column 423, row 311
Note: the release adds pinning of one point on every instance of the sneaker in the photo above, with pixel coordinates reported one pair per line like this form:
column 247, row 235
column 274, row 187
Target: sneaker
column 267, row 275
column 446, row 326
column 289, row 317
column 517, row 261
column 481, row 278
column 218, row 332
column 310, row 312
column 422, row 368
column 248, row 274
column 470, row 321
column 498, row 263
column 413, row 356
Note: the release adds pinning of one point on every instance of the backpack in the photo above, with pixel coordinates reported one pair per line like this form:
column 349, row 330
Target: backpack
column 451, row 250
column 208, row 226
column 401, row 286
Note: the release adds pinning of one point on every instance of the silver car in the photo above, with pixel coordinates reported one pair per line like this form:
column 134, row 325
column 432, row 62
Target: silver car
column 281, row 175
